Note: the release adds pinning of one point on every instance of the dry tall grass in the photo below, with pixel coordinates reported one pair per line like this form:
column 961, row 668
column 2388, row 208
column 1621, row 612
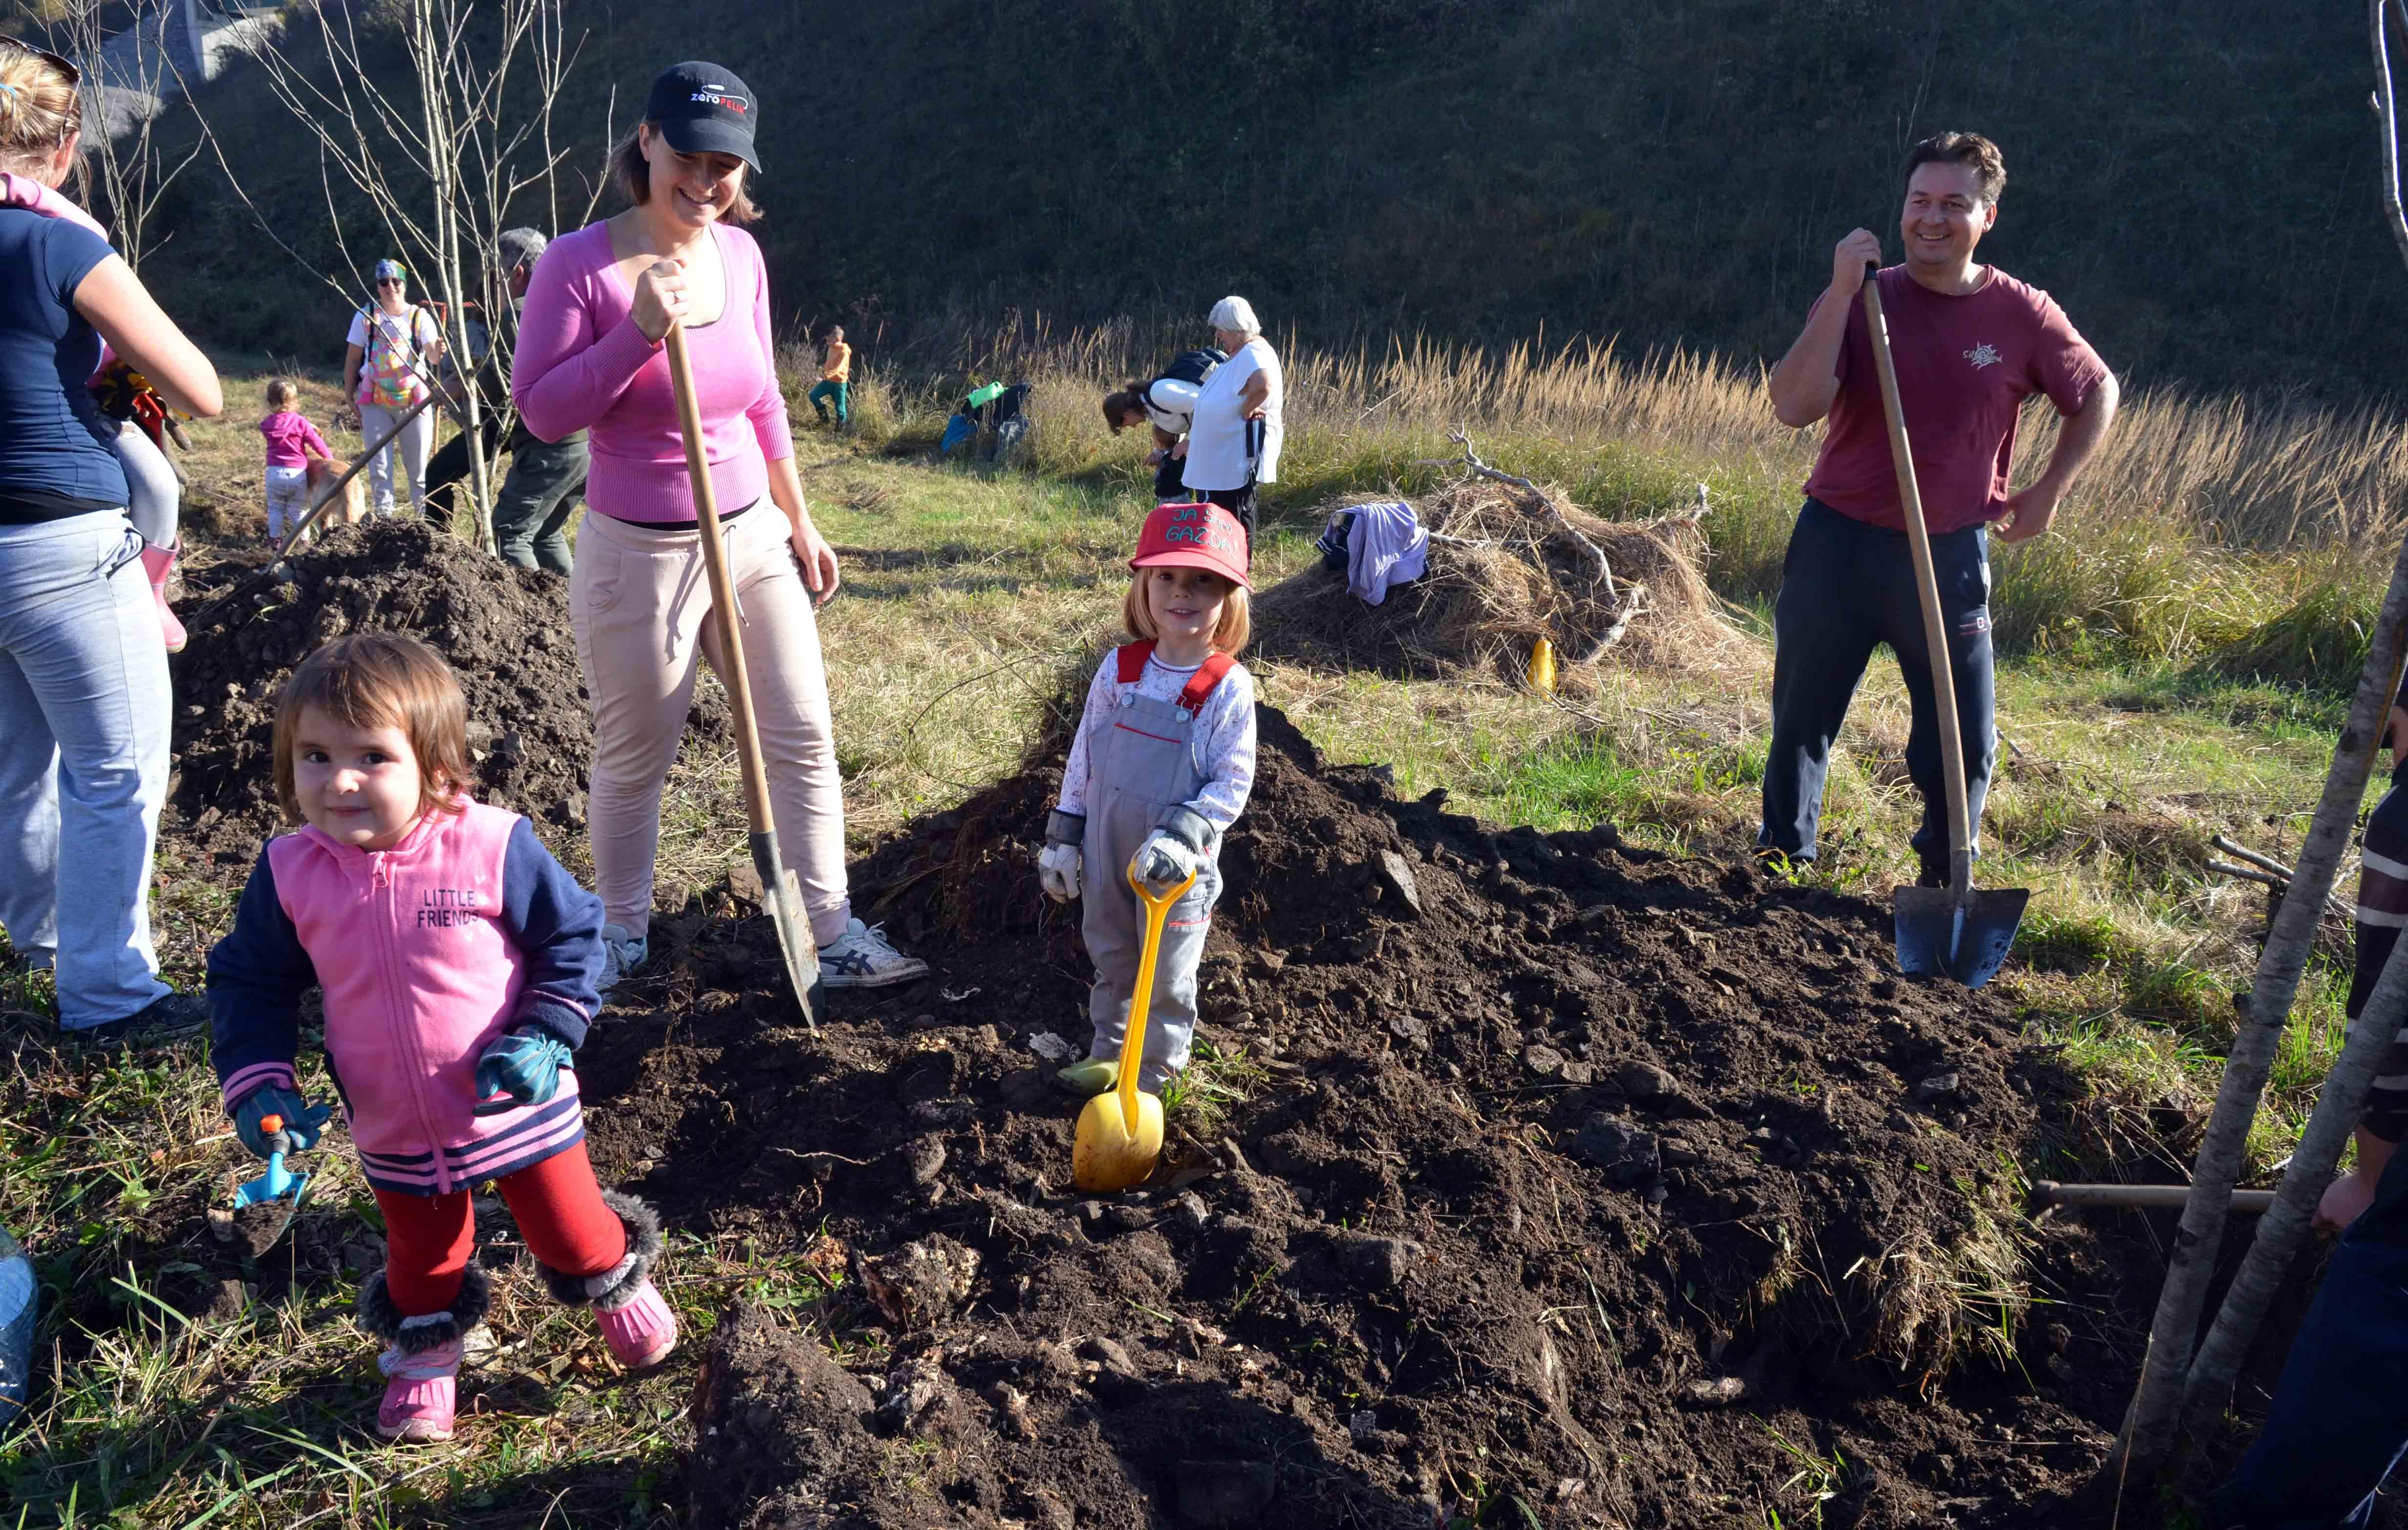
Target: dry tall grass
column 2202, row 525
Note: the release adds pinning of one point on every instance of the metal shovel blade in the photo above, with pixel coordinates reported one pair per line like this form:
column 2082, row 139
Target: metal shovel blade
column 802, row 953
column 1966, row 939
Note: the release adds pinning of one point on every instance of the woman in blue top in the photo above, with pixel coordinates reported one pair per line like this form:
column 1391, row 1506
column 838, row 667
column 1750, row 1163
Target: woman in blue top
column 83, row 680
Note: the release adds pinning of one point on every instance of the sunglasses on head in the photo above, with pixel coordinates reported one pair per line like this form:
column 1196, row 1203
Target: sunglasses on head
column 75, row 75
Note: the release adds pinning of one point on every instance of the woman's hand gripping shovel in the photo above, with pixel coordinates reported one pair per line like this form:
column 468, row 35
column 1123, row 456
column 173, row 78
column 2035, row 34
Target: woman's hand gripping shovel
column 1120, row 1134
column 1951, row 929
column 778, row 889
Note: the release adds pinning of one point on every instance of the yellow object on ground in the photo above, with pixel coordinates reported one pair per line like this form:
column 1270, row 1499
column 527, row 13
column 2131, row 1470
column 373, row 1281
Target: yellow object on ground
column 1543, row 667
column 1120, row 1134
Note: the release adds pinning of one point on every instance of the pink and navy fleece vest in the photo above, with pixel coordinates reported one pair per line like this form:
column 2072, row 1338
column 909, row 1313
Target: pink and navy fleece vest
column 426, row 952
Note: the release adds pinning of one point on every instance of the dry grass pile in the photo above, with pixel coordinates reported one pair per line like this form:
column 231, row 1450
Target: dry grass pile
column 1508, row 565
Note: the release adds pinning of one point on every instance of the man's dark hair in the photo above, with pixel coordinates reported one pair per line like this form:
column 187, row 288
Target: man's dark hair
column 1971, row 150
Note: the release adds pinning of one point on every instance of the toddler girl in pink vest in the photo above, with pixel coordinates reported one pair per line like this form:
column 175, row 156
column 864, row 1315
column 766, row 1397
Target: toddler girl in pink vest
column 458, row 962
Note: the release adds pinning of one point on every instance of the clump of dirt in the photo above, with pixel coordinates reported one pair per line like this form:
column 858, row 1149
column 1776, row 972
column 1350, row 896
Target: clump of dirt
column 504, row 630
column 1527, row 1177
column 1508, row 565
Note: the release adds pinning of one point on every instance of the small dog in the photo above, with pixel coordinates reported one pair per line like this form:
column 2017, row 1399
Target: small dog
column 324, row 471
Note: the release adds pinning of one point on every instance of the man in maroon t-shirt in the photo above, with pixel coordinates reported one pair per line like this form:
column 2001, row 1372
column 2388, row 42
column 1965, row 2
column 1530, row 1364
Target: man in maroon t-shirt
column 1972, row 343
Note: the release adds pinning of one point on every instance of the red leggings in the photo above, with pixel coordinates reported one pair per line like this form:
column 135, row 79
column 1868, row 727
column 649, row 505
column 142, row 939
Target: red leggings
column 428, row 1238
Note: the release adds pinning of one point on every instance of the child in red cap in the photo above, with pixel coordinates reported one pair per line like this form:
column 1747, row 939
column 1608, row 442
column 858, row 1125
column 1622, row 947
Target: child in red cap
column 1158, row 770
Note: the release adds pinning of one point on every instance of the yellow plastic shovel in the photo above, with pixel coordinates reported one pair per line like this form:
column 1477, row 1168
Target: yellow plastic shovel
column 1120, row 1134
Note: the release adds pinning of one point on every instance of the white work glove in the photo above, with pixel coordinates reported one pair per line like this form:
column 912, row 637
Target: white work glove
column 1057, row 872
column 1165, row 860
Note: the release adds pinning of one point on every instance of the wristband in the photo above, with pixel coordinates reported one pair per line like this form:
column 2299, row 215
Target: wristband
column 1190, row 828
column 1063, row 828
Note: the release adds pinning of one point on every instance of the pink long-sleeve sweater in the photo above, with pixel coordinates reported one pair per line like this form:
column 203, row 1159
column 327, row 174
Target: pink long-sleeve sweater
column 291, row 439
column 582, row 365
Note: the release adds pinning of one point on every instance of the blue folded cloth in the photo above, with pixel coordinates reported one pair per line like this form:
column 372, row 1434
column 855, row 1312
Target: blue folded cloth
column 1378, row 547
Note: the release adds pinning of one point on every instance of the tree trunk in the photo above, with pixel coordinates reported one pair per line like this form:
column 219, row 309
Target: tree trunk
column 2157, row 1402
column 2279, row 1232
column 443, row 165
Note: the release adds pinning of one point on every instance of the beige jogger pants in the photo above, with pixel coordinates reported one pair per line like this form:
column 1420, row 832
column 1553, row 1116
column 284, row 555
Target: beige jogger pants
column 639, row 603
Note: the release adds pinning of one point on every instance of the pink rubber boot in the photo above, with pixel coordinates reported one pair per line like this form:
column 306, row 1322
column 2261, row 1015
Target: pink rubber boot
column 421, row 1361
column 636, row 1322
column 644, row 1332
column 420, row 1394
column 159, row 562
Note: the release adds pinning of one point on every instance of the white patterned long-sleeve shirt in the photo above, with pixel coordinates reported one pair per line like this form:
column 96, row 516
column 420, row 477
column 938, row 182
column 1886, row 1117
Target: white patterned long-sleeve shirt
column 1222, row 743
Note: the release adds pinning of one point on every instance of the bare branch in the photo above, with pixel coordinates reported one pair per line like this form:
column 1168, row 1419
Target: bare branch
column 1602, row 573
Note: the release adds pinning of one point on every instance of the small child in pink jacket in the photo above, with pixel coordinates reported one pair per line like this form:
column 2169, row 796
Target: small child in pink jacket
column 292, row 441
column 458, row 962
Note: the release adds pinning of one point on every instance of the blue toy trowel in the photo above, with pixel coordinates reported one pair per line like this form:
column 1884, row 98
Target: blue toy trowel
column 278, row 1186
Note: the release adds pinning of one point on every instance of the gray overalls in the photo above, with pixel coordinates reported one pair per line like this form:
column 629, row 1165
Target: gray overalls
column 1141, row 767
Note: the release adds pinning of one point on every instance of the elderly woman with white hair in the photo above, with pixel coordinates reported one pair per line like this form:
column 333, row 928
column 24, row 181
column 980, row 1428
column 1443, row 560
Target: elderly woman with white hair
column 1234, row 442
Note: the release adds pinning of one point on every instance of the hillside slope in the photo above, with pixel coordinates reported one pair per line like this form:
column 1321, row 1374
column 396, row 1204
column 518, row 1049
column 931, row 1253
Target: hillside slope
column 2197, row 183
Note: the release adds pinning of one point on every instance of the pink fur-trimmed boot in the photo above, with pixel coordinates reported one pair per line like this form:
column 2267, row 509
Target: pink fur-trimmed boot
column 641, row 1331
column 421, row 1362
column 420, row 1393
column 636, row 1322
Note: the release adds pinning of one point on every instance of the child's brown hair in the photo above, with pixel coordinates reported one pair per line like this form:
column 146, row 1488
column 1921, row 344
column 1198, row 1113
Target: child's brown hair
column 281, row 395
column 381, row 679
column 1230, row 636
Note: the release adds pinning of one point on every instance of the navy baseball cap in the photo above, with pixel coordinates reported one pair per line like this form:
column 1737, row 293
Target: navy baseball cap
column 704, row 109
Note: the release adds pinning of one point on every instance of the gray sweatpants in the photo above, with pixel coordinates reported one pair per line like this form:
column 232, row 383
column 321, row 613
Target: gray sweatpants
column 84, row 711
column 1138, row 772
column 154, row 499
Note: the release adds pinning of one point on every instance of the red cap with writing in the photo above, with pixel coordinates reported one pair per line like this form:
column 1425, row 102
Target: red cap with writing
column 1202, row 536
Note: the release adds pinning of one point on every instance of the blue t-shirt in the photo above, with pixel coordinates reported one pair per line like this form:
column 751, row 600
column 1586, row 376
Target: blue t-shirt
column 57, row 451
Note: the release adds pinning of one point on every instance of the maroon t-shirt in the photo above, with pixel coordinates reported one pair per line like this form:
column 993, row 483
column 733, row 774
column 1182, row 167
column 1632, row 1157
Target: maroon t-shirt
column 1964, row 365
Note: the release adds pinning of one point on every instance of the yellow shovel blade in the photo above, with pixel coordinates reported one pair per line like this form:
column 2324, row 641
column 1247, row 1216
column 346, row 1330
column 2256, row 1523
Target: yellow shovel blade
column 1120, row 1134
column 1108, row 1155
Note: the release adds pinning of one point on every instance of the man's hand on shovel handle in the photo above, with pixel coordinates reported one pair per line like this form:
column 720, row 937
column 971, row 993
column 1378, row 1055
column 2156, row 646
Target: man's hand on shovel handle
column 1849, row 259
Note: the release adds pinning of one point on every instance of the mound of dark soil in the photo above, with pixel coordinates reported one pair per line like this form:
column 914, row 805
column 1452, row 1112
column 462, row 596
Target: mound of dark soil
column 1534, row 1179
column 505, row 631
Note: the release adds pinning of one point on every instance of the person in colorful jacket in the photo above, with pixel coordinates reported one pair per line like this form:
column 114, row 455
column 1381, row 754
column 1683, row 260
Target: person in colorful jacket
column 458, row 962
column 836, row 377
column 1161, row 766
column 393, row 348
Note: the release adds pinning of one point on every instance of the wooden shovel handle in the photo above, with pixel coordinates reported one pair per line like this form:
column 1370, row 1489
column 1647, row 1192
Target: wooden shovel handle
column 722, row 590
column 1927, row 588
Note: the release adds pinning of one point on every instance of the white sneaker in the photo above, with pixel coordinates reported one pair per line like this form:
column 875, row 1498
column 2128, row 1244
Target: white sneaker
column 621, row 955
column 861, row 958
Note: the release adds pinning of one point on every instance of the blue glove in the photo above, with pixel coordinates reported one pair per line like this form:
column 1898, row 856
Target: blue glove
column 302, row 1120
column 520, row 1069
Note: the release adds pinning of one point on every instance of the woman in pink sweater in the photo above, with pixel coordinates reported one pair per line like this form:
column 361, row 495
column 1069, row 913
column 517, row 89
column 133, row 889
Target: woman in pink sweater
column 590, row 358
